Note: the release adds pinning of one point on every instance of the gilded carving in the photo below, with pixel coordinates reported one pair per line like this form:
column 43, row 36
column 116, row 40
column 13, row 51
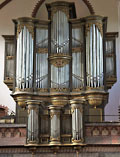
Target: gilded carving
column 59, row 90
column 29, row 142
column 76, row 107
column 95, row 99
column 28, row 111
column 24, row 90
column 8, row 79
column 55, row 139
column 59, row 59
column 97, row 24
column 9, row 57
column 95, row 88
column 30, row 28
column 33, row 105
column 57, row 101
column 52, row 114
column 77, row 49
column 77, row 89
column 110, row 80
column 42, row 50
column 42, row 90
column 77, row 141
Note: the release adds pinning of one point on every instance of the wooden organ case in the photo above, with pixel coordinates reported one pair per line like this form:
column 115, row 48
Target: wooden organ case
column 63, row 69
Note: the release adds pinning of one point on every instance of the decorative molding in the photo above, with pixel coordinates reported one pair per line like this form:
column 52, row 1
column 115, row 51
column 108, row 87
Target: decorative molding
column 36, row 8
column 102, row 130
column 4, row 3
column 30, row 28
column 52, row 114
column 68, row 150
column 77, row 141
column 59, row 59
column 76, row 107
column 77, row 49
column 42, row 50
column 12, row 132
column 64, row 90
column 90, row 7
column 97, row 24
column 40, row 2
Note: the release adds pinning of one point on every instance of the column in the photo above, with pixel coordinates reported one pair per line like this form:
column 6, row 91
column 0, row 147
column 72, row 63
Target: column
column 77, row 122
column 55, row 125
column 33, row 122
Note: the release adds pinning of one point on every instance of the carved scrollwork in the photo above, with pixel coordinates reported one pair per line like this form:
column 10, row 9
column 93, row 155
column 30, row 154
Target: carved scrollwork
column 52, row 114
column 59, row 59
column 77, row 141
column 76, row 107
column 97, row 24
column 42, row 90
column 32, row 142
column 42, row 50
column 36, row 109
column 55, row 139
column 95, row 88
column 30, row 28
column 9, row 57
column 77, row 89
column 59, row 90
column 77, row 49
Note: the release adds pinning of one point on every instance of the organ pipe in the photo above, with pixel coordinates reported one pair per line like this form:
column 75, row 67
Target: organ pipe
column 24, row 60
column 77, row 58
column 42, row 58
column 94, row 54
column 73, row 62
column 60, row 45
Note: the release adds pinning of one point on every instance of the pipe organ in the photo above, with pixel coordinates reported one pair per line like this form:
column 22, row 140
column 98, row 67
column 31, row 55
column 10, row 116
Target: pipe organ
column 41, row 57
column 24, row 56
column 94, row 54
column 63, row 68
column 77, row 57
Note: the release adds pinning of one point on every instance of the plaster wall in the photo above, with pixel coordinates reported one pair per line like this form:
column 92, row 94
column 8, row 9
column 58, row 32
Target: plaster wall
column 13, row 10
column 19, row 8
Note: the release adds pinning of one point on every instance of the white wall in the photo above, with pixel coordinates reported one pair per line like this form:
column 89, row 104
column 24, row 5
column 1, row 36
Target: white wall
column 13, row 10
column 19, row 8
column 107, row 8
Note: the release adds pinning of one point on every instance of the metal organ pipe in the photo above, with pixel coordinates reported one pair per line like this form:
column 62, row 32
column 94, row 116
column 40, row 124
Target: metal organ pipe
column 77, row 58
column 24, row 60
column 98, row 61
column 59, row 44
column 41, row 57
column 60, row 33
column 94, row 57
